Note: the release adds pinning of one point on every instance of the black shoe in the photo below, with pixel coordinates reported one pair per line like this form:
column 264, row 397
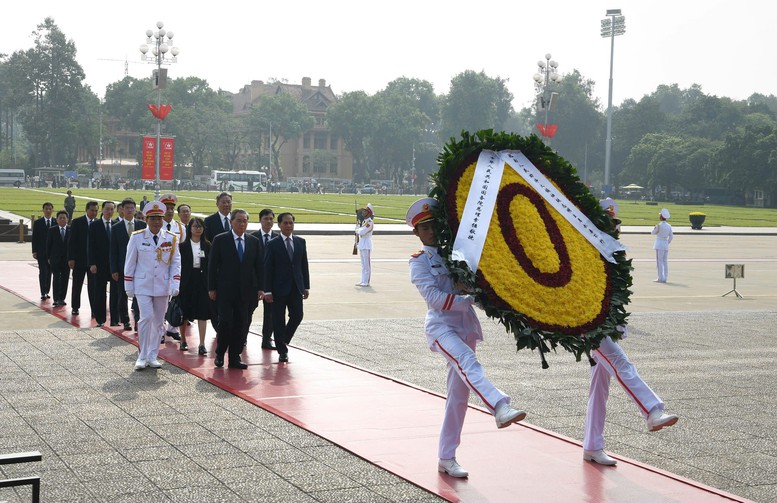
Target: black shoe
column 56, row 303
column 48, row 296
column 238, row 365
column 127, row 326
column 44, row 297
column 219, row 362
column 100, row 325
column 115, row 324
column 62, row 303
column 184, row 346
column 174, row 335
column 202, row 351
column 284, row 358
column 267, row 344
column 74, row 312
column 163, row 340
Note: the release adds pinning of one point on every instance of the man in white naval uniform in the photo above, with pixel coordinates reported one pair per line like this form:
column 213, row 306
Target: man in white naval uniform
column 663, row 233
column 152, row 274
column 364, row 231
column 453, row 330
column 611, row 361
column 170, row 225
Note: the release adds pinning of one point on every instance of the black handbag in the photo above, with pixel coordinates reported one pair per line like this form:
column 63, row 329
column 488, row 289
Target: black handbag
column 174, row 314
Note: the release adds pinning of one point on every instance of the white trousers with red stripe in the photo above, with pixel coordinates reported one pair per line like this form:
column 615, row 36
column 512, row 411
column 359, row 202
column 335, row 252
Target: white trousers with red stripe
column 465, row 374
column 611, row 361
column 150, row 325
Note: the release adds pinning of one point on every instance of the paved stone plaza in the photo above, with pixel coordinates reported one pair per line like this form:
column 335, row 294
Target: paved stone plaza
column 110, row 434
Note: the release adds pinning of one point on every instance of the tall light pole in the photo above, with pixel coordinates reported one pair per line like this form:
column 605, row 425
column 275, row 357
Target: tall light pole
column 612, row 26
column 546, row 75
column 159, row 47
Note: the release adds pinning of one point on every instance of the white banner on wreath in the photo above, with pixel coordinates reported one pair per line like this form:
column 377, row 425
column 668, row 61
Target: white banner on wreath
column 481, row 200
column 606, row 244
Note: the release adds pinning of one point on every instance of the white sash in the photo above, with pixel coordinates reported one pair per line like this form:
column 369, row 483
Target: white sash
column 473, row 229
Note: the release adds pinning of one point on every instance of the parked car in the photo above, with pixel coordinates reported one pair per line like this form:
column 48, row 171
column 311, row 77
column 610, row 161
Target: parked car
column 368, row 189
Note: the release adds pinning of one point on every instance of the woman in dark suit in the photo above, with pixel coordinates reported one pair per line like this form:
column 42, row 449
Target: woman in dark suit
column 195, row 252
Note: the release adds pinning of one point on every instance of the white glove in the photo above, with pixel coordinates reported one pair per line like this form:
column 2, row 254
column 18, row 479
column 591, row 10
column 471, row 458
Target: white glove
column 174, row 292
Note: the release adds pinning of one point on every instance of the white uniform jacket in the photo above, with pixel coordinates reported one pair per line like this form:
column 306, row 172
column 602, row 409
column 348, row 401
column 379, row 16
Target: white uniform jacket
column 152, row 269
column 176, row 228
column 447, row 312
column 663, row 233
column 365, row 231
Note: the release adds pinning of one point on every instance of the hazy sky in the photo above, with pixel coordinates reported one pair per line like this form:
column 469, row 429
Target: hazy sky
column 725, row 46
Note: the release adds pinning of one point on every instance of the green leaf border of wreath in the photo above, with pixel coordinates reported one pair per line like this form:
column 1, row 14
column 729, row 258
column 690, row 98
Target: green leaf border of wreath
column 565, row 176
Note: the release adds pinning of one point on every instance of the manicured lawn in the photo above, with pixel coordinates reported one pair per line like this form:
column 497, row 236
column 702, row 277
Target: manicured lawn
column 340, row 208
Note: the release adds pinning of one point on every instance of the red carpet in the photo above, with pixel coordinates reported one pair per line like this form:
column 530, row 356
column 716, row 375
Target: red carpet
column 395, row 425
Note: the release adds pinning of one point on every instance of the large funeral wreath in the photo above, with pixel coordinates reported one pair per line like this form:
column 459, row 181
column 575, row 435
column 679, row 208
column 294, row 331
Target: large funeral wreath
column 537, row 274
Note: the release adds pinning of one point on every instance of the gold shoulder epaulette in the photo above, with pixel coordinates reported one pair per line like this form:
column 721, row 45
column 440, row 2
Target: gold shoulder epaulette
column 138, row 231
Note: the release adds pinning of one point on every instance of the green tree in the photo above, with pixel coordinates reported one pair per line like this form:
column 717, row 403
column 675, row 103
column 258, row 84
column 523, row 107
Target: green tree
column 351, row 118
column 290, row 119
column 475, row 101
column 50, row 79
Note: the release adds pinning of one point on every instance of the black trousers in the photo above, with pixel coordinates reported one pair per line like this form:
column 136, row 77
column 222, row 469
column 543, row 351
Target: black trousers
column 100, row 290
column 78, row 283
column 284, row 330
column 267, row 328
column 234, row 321
column 44, row 276
column 60, row 278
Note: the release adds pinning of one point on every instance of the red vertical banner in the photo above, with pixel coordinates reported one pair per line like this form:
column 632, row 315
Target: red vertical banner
column 148, row 171
column 167, row 156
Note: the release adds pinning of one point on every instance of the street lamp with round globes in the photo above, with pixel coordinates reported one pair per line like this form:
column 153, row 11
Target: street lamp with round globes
column 546, row 77
column 158, row 43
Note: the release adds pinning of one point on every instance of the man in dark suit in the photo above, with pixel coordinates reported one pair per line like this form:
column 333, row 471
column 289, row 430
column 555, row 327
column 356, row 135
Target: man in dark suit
column 286, row 282
column 98, row 252
column 40, row 233
column 264, row 235
column 120, row 233
column 77, row 257
column 235, row 283
column 215, row 224
column 56, row 251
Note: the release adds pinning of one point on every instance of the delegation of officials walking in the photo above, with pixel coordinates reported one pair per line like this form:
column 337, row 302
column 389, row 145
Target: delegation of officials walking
column 220, row 272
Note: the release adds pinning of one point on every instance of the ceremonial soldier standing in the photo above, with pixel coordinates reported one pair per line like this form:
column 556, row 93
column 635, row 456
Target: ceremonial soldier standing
column 663, row 233
column 364, row 231
column 152, row 274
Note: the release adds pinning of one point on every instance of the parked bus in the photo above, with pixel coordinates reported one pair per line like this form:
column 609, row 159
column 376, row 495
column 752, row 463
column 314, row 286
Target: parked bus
column 239, row 181
column 11, row 177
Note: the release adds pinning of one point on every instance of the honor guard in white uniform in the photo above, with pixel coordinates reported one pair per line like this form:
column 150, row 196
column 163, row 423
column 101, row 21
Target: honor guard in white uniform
column 152, row 274
column 453, row 331
column 611, row 361
column 364, row 231
column 663, row 233
column 170, row 200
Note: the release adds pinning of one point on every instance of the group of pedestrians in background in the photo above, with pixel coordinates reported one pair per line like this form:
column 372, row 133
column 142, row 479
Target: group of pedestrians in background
column 219, row 272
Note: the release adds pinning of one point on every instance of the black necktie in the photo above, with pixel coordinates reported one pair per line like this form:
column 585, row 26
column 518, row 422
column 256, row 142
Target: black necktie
column 226, row 224
column 62, row 231
column 48, row 224
column 168, row 227
column 108, row 229
column 156, row 239
column 266, row 238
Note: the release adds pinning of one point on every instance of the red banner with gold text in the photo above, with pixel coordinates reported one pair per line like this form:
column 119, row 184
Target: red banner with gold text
column 167, row 158
column 149, row 154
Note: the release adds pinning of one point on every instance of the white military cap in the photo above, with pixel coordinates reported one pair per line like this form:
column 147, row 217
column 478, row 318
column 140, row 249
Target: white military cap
column 664, row 213
column 154, row 209
column 420, row 211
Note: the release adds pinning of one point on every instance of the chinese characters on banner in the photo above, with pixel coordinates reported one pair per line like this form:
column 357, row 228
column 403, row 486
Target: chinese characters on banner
column 167, row 156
